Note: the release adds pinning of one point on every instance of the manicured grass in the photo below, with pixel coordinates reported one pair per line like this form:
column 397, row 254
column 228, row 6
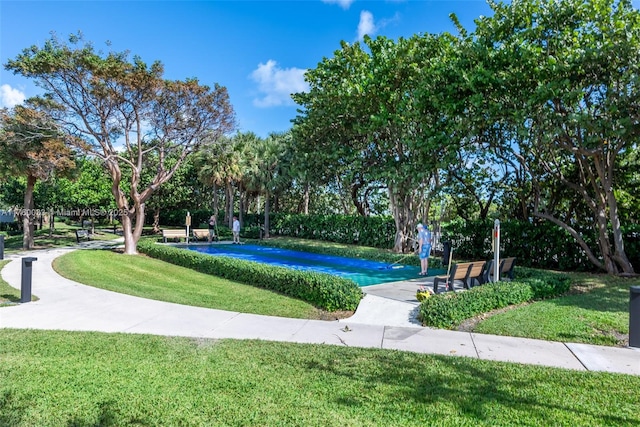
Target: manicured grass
column 63, row 235
column 8, row 294
column 595, row 312
column 150, row 278
column 81, row 379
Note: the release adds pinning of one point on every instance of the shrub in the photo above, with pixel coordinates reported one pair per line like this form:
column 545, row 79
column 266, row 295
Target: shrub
column 448, row 310
column 322, row 290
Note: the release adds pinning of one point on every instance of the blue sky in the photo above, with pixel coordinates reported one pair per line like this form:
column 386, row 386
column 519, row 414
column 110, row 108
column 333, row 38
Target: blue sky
column 259, row 50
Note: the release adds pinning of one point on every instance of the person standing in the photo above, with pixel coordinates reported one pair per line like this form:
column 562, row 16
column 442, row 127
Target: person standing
column 212, row 227
column 236, row 231
column 424, row 248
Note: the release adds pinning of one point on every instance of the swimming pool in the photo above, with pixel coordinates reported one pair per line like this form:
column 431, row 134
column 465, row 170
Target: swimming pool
column 363, row 272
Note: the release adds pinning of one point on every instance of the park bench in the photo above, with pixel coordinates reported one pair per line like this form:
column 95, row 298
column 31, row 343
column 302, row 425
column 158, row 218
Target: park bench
column 201, row 233
column 506, row 269
column 465, row 272
column 173, row 234
column 82, row 234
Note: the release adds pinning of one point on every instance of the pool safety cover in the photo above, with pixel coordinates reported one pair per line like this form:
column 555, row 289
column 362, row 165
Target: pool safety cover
column 363, row 272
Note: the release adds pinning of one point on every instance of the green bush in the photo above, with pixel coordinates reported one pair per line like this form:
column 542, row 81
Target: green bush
column 322, row 290
column 536, row 243
column 449, row 309
column 374, row 231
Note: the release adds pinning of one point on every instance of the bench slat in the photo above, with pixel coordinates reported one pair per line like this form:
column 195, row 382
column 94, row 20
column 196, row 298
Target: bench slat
column 465, row 272
column 173, row 234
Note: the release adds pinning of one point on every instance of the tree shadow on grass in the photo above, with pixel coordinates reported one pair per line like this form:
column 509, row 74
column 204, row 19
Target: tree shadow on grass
column 613, row 298
column 445, row 389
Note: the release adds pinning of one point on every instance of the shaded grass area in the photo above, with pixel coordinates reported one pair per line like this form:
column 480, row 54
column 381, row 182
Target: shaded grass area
column 596, row 311
column 150, row 278
column 82, row 379
column 62, row 235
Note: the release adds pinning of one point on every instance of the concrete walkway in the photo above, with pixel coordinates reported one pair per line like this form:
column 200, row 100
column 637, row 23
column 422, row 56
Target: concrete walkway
column 384, row 319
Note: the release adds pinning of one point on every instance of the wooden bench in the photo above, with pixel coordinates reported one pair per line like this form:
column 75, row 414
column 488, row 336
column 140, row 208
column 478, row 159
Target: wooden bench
column 465, row 272
column 506, row 269
column 82, row 233
column 173, row 234
column 201, row 233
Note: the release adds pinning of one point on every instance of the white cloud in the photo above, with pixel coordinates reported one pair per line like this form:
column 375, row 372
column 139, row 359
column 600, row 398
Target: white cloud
column 342, row 3
column 277, row 84
column 366, row 25
column 10, row 97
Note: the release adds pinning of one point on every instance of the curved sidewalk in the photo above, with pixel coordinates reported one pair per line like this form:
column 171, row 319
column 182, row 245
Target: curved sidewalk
column 378, row 323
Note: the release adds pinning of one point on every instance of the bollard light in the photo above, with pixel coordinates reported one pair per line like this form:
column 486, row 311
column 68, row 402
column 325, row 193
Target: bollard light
column 25, row 285
column 634, row 316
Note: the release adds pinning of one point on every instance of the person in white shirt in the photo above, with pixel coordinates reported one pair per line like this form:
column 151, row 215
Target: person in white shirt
column 236, row 231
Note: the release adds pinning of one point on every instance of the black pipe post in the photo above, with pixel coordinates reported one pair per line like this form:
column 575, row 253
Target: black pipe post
column 25, row 285
column 446, row 251
column 1, row 246
column 634, row 316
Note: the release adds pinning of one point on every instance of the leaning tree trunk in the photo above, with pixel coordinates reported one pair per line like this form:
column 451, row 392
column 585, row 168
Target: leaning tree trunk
column 27, row 217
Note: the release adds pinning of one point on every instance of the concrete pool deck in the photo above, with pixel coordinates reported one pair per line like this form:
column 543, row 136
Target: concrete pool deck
column 384, row 319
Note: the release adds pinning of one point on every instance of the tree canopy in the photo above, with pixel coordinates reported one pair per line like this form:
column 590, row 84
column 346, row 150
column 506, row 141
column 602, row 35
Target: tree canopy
column 121, row 110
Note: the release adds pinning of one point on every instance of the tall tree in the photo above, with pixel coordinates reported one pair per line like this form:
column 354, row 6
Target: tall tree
column 571, row 70
column 32, row 145
column 368, row 118
column 122, row 111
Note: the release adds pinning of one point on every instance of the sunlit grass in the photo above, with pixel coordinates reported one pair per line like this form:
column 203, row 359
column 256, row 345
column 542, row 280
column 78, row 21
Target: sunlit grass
column 8, row 294
column 596, row 312
column 81, row 379
column 150, row 278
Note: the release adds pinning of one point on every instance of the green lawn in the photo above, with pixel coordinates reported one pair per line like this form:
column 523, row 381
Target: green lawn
column 62, row 235
column 90, row 379
column 150, row 278
column 595, row 312
column 81, row 379
column 8, row 294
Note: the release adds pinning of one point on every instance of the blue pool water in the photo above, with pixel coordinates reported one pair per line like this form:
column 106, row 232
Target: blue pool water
column 363, row 272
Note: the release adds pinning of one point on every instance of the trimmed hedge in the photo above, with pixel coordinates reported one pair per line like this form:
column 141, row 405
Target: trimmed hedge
column 322, row 290
column 374, row 231
column 450, row 309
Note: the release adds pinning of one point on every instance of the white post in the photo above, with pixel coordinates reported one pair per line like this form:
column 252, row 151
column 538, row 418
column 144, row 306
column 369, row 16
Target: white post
column 496, row 250
column 188, row 223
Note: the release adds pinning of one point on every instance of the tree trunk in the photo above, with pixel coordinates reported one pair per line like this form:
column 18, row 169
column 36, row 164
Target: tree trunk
column 402, row 210
column 229, row 204
column 52, row 222
column 306, row 197
column 132, row 225
column 156, row 220
column 266, row 216
column 28, row 215
column 241, row 204
column 619, row 255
